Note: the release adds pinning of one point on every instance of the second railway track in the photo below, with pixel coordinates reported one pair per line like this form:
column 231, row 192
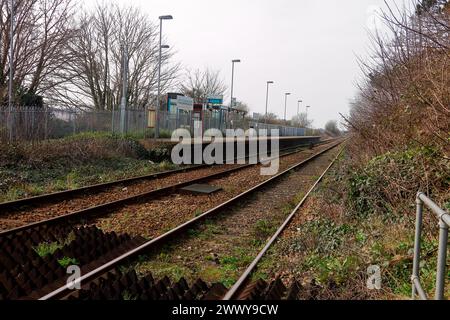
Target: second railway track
column 234, row 226
column 50, row 210
column 113, row 284
column 134, row 184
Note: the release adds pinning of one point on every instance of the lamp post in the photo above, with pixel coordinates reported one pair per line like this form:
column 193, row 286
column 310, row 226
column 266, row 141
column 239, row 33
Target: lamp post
column 267, row 98
column 307, row 107
column 285, row 105
column 298, row 107
column 232, row 79
column 11, row 57
column 123, row 104
column 11, row 70
column 161, row 18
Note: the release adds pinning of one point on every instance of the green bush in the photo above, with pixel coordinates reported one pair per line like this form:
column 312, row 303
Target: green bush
column 321, row 236
column 67, row 261
column 332, row 269
column 263, row 229
column 162, row 153
column 394, row 177
column 47, row 249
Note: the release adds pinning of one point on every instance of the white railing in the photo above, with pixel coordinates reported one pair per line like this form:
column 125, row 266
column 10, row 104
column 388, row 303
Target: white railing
column 444, row 223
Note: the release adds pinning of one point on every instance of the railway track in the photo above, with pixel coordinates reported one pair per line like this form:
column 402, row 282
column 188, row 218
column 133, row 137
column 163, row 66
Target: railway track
column 57, row 197
column 54, row 204
column 35, row 219
column 199, row 286
column 100, row 252
column 114, row 283
column 243, row 288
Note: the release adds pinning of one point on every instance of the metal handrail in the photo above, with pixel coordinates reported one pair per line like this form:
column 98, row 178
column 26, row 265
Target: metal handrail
column 444, row 224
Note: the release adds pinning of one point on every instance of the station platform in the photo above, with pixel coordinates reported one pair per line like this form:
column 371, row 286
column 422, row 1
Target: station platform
column 284, row 143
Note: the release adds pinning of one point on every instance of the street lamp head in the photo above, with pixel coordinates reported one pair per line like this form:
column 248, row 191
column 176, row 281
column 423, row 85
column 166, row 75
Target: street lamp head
column 270, row 82
column 288, row 94
column 300, row 101
column 165, row 46
column 236, row 61
column 168, row 17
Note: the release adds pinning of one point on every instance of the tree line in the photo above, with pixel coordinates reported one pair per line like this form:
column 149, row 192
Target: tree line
column 405, row 97
column 74, row 58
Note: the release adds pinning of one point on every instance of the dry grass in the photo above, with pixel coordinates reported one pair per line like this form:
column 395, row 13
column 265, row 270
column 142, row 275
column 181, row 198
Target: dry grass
column 75, row 150
column 33, row 169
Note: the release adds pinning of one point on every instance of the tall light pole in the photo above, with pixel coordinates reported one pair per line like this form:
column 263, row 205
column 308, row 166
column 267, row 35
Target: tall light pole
column 267, row 98
column 123, row 104
column 11, row 69
column 232, row 79
column 11, row 56
column 307, row 107
column 161, row 18
column 285, row 105
column 298, row 107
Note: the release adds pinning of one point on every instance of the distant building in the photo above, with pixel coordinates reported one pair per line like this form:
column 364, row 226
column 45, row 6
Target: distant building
column 183, row 111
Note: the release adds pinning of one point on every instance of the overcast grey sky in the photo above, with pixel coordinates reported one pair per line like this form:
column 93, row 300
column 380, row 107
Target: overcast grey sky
column 307, row 47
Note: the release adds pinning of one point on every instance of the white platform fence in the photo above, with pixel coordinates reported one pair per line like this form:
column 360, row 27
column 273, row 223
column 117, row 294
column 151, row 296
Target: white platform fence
column 38, row 124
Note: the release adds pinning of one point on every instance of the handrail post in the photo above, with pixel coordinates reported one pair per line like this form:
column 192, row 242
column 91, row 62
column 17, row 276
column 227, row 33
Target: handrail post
column 442, row 260
column 416, row 263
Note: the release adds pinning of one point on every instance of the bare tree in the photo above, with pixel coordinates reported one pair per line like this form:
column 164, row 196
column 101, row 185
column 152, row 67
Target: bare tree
column 200, row 84
column 405, row 97
column 242, row 106
column 42, row 29
column 332, row 128
column 301, row 121
column 92, row 76
column 270, row 118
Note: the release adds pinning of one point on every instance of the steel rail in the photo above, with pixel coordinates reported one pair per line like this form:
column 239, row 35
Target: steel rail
column 66, row 194
column 69, row 194
column 239, row 285
column 94, row 274
column 113, row 205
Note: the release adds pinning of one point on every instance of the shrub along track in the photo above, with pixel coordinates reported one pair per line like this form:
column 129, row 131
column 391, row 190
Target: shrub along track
column 16, row 280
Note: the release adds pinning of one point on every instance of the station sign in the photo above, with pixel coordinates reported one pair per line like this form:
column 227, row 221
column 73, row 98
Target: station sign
column 215, row 100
